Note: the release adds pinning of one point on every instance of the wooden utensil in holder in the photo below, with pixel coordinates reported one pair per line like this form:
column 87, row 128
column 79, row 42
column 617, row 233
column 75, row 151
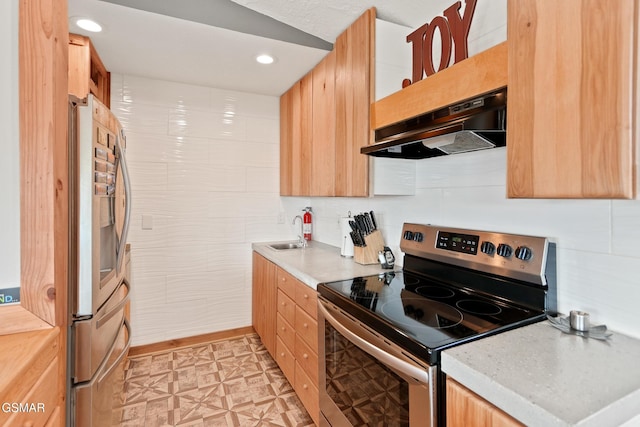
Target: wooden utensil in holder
column 369, row 254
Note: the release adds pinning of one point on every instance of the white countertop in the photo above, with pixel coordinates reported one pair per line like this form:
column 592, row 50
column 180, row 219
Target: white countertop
column 317, row 263
column 543, row 377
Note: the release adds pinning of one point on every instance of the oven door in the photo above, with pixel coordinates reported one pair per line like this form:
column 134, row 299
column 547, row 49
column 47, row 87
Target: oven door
column 366, row 380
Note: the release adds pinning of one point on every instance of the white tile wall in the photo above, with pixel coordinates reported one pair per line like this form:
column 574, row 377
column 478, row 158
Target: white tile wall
column 205, row 166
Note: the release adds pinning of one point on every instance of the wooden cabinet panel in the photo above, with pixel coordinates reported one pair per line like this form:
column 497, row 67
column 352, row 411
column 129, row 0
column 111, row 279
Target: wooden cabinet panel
column 307, row 299
column 307, row 328
column 570, row 131
column 31, row 373
column 286, row 141
column 308, row 393
column 307, row 358
column 264, row 299
column 287, row 283
column 42, row 396
column 353, row 96
column 286, row 360
column 286, row 308
column 324, row 128
column 286, row 332
column 295, row 138
column 465, row 408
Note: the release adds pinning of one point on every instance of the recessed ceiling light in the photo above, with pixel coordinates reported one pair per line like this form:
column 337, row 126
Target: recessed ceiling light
column 265, row 59
column 88, row 25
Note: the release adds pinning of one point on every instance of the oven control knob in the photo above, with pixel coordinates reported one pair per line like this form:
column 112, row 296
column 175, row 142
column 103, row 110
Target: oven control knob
column 487, row 248
column 418, row 236
column 524, row 253
column 408, row 235
column 504, row 250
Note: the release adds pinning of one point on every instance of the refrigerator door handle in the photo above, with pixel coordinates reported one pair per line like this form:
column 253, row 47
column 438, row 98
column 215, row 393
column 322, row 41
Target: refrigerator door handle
column 125, row 350
column 127, row 208
column 112, row 312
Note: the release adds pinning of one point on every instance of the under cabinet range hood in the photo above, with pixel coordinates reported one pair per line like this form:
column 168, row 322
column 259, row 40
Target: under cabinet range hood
column 473, row 124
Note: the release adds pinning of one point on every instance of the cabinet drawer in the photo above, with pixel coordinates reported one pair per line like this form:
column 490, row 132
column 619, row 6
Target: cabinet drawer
column 308, row 393
column 43, row 398
column 285, row 360
column 285, row 331
column 287, row 308
column 307, row 298
column 308, row 359
column 307, row 329
column 287, row 283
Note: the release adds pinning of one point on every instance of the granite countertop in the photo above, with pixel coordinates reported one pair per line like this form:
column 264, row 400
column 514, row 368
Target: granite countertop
column 317, row 263
column 543, row 377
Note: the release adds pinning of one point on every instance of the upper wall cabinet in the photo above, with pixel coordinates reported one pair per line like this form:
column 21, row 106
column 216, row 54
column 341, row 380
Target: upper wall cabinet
column 572, row 98
column 324, row 120
column 354, row 94
column 87, row 73
column 295, row 139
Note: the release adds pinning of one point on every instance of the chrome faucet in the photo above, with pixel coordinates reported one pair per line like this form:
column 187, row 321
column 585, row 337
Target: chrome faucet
column 301, row 241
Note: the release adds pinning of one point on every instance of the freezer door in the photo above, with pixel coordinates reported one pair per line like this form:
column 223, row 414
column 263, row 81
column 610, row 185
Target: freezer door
column 95, row 403
column 94, row 337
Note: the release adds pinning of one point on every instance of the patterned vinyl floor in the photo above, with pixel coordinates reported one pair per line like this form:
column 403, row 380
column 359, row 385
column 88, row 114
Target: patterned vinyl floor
column 233, row 382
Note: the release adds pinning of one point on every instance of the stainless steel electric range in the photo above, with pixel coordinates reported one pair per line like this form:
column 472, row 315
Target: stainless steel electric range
column 381, row 336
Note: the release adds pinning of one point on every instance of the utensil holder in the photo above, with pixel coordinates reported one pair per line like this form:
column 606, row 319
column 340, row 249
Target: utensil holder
column 369, row 254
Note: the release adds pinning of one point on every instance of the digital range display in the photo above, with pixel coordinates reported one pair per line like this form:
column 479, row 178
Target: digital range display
column 465, row 243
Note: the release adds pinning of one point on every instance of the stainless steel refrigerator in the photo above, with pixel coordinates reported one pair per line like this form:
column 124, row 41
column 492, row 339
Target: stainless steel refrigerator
column 100, row 206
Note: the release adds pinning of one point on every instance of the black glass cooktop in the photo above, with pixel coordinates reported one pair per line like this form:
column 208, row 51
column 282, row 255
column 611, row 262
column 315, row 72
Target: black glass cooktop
column 424, row 315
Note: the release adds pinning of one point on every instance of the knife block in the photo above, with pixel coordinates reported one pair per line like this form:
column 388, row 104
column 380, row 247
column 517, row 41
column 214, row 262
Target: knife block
column 369, row 254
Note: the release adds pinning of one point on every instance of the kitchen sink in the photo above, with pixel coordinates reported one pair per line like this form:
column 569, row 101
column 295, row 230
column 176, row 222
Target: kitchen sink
column 284, row 246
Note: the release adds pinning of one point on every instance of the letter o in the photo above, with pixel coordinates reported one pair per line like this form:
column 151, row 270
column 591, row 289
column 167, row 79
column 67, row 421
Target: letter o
column 445, row 34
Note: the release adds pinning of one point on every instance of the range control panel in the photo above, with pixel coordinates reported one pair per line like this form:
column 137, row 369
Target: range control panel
column 509, row 255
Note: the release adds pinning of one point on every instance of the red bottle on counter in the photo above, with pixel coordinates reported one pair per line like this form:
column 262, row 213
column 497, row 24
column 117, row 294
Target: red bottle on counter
column 306, row 224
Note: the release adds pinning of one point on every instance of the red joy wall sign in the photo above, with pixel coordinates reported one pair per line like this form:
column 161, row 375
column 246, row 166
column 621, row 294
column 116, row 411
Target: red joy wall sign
column 453, row 28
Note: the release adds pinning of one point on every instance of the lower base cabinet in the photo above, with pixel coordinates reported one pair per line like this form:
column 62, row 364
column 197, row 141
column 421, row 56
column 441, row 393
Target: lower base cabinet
column 467, row 409
column 285, row 313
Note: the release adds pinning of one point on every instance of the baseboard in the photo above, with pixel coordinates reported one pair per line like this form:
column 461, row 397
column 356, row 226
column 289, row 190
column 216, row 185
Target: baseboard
column 188, row 341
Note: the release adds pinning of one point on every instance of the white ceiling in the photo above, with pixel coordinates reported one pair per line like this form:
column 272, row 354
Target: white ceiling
column 155, row 45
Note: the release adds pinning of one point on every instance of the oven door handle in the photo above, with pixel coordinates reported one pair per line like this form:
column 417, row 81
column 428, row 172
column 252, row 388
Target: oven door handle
column 420, row 375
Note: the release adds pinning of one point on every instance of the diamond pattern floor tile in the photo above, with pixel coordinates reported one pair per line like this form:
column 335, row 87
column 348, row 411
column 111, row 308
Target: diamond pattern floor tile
column 233, row 382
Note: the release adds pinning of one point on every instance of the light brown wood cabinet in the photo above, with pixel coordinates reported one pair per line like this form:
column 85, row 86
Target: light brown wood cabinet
column 467, row 409
column 295, row 138
column 285, row 317
column 323, row 123
column 324, row 120
column 87, row 73
column 264, row 294
column 297, row 338
column 28, row 375
column 573, row 99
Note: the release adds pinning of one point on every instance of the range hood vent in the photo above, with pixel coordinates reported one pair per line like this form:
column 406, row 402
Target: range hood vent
column 474, row 124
